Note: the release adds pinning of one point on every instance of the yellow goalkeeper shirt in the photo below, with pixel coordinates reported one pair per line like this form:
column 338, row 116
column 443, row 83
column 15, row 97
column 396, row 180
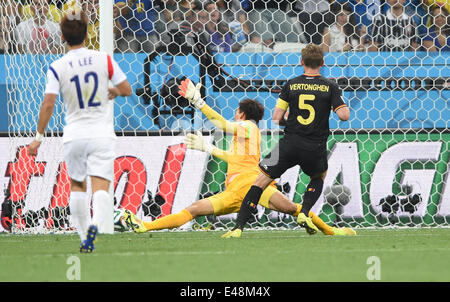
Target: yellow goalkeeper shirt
column 244, row 152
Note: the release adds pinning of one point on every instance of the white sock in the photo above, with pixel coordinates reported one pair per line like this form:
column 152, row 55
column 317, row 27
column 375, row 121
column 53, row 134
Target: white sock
column 100, row 200
column 79, row 209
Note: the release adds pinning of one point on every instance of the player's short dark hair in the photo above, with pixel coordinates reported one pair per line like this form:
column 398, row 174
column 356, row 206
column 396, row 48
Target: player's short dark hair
column 252, row 109
column 312, row 56
column 74, row 27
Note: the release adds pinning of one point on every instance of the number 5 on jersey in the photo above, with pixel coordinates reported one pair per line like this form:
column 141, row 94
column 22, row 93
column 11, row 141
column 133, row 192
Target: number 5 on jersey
column 302, row 105
column 87, row 77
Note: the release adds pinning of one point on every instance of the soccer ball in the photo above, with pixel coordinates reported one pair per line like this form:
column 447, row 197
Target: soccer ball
column 337, row 194
column 119, row 222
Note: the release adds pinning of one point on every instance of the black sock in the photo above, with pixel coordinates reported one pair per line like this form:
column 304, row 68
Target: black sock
column 248, row 207
column 312, row 193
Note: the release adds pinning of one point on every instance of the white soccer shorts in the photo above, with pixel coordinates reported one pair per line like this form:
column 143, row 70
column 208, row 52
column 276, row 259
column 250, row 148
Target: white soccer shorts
column 93, row 157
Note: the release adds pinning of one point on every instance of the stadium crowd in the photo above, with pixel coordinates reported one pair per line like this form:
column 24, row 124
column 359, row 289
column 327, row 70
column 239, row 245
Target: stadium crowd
column 31, row 26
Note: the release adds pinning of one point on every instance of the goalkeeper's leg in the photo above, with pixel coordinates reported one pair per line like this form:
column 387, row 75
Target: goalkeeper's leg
column 199, row 208
column 273, row 199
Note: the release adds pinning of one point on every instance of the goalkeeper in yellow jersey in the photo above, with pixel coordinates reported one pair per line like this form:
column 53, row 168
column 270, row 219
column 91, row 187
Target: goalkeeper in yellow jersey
column 242, row 158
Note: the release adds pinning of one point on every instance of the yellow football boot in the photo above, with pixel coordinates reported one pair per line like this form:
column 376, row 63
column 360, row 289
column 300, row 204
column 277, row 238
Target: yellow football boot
column 133, row 222
column 344, row 232
column 306, row 222
column 232, row 234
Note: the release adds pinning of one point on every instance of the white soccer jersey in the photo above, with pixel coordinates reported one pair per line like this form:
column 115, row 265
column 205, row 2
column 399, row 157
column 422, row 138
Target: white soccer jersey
column 82, row 77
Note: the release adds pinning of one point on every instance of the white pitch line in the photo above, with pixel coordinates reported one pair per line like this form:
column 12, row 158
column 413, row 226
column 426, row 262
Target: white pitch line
column 145, row 253
column 299, row 236
column 190, row 253
column 150, row 253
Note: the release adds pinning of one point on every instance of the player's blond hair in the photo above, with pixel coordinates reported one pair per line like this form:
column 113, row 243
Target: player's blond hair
column 312, row 56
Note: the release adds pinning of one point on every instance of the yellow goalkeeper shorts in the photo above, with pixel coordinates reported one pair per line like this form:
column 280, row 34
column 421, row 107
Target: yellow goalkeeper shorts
column 230, row 200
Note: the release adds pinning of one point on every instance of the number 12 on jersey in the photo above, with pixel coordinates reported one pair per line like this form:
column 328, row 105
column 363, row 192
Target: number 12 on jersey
column 302, row 105
column 87, row 77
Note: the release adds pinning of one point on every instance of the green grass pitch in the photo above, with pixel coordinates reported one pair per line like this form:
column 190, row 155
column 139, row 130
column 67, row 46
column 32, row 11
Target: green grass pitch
column 405, row 255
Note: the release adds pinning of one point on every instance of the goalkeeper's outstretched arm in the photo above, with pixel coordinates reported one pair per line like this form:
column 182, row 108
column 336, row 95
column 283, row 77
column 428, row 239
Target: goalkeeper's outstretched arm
column 192, row 93
column 196, row 142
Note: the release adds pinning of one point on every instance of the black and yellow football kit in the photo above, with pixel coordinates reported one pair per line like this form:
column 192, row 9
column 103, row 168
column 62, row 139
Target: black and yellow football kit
column 309, row 100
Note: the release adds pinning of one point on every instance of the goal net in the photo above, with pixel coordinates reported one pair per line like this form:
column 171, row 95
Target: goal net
column 388, row 165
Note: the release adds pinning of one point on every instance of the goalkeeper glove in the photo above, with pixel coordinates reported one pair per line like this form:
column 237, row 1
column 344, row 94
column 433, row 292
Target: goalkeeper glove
column 191, row 93
column 196, row 142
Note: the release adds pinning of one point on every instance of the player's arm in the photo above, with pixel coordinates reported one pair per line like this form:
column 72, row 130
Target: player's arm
column 219, row 121
column 45, row 113
column 118, row 78
column 47, row 107
column 192, row 93
column 280, row 112
column 121, row 89
column 196, row 142
column 343, row 113
column 281, row 108
column 339, row 106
